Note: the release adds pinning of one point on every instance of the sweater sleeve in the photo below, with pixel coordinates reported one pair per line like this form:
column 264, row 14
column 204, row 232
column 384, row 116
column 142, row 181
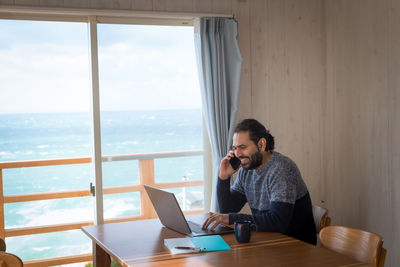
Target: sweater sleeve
column 276, row 219
column 229, row 200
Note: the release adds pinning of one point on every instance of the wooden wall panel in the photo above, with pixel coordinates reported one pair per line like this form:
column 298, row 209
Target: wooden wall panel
column 173, row 5
column 222, row 6
column 204, row 6
column 290, row 98
column 109, row 4
column 394, row 120
column 361, row 120
column 269, row 81
column 259, row 47
column 27, row 2
column 7, row 2
column 145, row 5
column 241, row 11
column 52, row 3
column 313, row 81
column 341, row 153
column 374, row 116
column 288, row 80
column 76, row 3
column 328, row 103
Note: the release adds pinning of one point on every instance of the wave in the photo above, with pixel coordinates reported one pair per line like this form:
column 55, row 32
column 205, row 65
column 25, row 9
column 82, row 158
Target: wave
column 128, row 143
column 47, row 212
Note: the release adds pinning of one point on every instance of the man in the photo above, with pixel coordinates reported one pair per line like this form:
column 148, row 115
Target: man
column 270, row 182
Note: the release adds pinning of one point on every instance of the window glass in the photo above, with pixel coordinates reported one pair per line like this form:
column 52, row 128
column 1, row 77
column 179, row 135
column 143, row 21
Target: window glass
column 45, row 114
column 150, row 102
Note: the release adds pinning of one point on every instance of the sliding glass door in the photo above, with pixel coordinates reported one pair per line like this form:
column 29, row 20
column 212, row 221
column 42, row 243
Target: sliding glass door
column 150, row 126
column 150, row 102
column 45, row 115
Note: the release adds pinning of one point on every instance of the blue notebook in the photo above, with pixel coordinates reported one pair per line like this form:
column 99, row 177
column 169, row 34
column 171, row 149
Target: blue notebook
column 210, row 243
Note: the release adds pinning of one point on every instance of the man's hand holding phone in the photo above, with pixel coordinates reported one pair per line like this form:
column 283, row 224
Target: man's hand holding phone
column 235, row 162
column 229, row 165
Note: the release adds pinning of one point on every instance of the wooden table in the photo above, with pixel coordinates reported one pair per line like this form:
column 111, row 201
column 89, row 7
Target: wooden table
column 140, row 243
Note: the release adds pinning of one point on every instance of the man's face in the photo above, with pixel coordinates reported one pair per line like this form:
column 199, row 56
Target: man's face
column 246, row 150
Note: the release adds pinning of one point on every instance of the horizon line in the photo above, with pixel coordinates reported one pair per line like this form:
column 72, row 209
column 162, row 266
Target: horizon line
column 130, row 110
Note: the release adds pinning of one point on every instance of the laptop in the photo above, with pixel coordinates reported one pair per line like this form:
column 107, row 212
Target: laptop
column 171, row 216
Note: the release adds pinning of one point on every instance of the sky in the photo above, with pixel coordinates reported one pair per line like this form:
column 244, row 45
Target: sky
column 44, row 67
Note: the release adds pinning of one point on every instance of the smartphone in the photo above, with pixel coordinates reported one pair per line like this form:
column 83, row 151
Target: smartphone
column 235, row 162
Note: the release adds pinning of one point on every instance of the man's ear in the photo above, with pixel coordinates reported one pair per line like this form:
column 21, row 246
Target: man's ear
column 262, row 144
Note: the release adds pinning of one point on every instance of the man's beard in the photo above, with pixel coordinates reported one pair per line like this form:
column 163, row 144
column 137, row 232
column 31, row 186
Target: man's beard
column 255, row 160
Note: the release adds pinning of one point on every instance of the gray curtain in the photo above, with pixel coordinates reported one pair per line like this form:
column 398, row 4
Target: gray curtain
column 219, row 65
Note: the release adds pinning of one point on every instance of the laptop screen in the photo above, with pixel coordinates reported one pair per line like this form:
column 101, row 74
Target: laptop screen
column 168, row 209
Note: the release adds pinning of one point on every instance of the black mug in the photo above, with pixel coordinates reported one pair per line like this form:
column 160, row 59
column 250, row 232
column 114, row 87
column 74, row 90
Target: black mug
column 243, row 231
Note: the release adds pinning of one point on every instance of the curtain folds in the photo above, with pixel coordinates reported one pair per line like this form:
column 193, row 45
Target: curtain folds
column 219, row 64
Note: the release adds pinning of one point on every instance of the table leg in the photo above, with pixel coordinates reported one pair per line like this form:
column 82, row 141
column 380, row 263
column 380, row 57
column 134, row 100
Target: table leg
column 100, row 257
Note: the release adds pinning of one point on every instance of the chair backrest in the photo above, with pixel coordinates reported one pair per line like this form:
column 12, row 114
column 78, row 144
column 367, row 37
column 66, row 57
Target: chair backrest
column 10, row 260
column 321, row 217
column 2, row 245
column 358, row 244
column 382, row 258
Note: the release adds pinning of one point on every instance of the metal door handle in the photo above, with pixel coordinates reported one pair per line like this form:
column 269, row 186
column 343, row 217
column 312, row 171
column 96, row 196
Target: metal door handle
column 92, row 189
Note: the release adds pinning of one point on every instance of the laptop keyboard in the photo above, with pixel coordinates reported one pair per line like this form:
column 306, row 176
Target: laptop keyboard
column 196, row 228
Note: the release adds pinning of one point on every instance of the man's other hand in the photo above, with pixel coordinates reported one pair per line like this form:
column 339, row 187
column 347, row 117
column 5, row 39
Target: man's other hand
column 216, row 218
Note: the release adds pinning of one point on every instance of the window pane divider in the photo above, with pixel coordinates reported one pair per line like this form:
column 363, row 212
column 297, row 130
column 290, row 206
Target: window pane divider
column 95, row 111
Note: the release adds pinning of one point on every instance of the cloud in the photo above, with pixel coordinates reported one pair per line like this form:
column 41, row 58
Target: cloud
column 141, row 67
column 44, row 77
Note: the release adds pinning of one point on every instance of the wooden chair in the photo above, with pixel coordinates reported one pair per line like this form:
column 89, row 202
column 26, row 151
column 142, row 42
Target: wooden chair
column 321, row 217
column 10, row 260
column 358, row 244
column 2, row 245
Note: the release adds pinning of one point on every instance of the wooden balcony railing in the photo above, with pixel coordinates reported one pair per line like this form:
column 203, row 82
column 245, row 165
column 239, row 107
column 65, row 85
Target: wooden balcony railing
column 146, row 176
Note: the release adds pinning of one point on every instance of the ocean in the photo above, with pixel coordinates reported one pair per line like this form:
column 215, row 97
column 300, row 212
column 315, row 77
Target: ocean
column 67, row 135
